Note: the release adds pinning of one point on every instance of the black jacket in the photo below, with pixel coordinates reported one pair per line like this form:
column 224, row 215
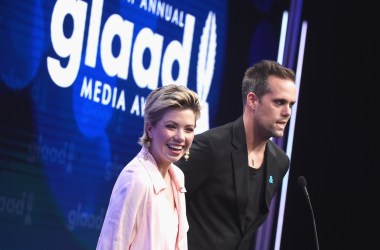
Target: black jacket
column 216, row 179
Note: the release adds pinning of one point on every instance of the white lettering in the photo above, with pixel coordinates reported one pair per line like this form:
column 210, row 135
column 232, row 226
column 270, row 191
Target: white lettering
column 103, row 94
column 146, row 52
column 97, row 91
column 93, row 33
column 181, row 53
column 135, row 109
column 168, row 12
column 142, row 105
column 66, row 47
column 164, row 11
column 148, row 77
column 116, row 26
column 106, row 95
column 86, row 90
column 121, row 101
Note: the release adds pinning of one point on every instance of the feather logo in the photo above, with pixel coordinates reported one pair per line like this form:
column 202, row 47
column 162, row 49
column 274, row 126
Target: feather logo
column 206, row 57
column 205, row 68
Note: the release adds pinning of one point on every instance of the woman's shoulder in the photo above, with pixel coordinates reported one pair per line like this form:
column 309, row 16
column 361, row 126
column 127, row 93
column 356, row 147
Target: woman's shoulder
column 135, row 174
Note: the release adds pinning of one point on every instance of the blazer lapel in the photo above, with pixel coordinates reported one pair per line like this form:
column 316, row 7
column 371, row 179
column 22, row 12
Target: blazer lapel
column 271, row 174
column 240, row 169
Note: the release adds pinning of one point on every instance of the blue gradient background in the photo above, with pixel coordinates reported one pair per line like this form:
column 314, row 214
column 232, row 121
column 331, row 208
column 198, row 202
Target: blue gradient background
column 60, row 154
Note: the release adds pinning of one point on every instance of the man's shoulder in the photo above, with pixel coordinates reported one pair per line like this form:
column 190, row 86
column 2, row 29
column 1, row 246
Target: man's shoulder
column 277, row 151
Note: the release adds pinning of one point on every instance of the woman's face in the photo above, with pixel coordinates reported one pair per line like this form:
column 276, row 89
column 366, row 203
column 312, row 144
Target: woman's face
column 172, row 136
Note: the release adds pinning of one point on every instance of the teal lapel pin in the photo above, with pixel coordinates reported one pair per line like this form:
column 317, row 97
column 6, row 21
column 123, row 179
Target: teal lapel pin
column 270, row 179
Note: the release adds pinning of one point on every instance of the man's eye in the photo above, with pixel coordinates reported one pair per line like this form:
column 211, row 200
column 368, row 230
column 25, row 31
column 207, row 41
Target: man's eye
column 279, row 102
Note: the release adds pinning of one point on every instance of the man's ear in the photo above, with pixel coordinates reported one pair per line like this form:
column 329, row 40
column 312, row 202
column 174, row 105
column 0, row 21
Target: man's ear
column 252, row 100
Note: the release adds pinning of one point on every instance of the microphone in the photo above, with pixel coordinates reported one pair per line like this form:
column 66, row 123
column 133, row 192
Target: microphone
column 302, row 182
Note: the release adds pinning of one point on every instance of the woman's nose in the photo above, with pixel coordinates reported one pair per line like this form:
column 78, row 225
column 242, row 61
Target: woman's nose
column 179, row 136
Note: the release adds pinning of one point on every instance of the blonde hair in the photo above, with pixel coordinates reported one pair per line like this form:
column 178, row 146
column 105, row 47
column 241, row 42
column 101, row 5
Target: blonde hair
column 165, row 98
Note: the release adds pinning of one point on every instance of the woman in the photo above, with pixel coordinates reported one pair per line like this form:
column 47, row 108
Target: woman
column 147, row 205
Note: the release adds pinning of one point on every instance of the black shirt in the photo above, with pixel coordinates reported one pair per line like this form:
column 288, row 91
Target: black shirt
column 255, row 195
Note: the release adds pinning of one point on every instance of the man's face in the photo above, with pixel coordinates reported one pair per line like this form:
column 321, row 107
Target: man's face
column 273, row 110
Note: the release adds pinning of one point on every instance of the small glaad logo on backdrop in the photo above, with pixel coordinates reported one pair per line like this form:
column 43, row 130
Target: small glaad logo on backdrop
column 84, row 219
column 176, row 55
column 18, row 206
column 61, row 155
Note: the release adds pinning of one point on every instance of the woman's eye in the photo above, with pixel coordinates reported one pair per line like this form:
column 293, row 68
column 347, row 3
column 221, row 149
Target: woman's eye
column 190, row 130
column 170, row 126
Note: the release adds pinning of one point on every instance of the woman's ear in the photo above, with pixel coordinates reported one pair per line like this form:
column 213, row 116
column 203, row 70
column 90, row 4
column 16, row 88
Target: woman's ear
column 149, row 130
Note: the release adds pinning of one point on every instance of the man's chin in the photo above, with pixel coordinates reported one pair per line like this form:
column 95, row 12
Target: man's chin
column 278, row 135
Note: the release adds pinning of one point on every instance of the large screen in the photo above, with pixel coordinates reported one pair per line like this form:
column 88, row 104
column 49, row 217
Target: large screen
column 74, row 76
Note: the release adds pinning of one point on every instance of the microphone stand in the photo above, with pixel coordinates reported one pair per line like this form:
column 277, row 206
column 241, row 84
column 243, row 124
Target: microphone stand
column 302, row 183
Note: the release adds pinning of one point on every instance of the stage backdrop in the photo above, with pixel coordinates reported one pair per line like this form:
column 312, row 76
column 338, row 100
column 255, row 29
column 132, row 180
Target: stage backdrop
column 74, row 76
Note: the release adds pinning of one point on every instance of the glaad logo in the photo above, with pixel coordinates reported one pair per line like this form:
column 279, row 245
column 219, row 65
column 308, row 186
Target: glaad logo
column 18, row 206
column 62, row 155
column 176, row 53
column 79, row 218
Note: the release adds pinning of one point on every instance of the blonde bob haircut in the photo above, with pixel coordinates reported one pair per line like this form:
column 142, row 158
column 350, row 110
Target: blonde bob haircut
column 165, row 98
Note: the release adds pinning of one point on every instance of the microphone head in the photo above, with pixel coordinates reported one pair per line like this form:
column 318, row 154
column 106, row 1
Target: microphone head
column 301, row 181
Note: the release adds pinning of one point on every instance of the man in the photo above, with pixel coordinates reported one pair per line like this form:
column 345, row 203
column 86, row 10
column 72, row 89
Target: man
column 233, row 171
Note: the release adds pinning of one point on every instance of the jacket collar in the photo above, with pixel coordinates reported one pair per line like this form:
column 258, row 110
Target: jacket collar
column 150, row 165
column 241, row 173
column 240, row 168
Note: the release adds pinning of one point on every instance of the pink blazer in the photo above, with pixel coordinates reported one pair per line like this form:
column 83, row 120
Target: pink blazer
column 135, row 218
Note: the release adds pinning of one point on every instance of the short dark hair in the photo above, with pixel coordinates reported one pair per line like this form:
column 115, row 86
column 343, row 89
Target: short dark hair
column 256, row 77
